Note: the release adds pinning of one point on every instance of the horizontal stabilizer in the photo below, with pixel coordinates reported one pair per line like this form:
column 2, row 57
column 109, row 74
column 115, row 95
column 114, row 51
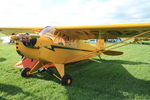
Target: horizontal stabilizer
column 112, row 53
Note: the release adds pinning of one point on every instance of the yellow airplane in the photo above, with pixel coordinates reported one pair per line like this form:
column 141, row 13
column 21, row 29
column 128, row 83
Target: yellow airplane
column 57, row 46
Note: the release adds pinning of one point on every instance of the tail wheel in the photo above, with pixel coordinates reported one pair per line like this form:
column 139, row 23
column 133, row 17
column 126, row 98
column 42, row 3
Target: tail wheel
column 66, row 80
column 24, row 72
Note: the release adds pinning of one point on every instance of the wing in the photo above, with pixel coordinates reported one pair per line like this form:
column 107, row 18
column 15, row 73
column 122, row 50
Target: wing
column 102, row 31
column 10, row 30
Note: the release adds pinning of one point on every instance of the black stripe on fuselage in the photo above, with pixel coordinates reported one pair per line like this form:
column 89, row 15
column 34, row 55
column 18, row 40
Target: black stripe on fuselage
column 53, row 47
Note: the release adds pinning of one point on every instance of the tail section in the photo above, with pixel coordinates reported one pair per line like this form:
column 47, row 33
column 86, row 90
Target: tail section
column 100, row 45
column 112, row 53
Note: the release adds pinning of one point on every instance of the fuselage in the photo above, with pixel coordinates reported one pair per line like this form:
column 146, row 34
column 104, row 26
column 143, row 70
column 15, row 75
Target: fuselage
column 45, row 49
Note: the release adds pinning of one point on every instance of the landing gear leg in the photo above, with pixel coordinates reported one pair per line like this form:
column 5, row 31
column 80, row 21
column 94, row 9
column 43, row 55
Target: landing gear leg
column 65, row 80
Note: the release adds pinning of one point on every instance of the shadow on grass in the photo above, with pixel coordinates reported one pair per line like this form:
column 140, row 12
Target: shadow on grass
column 2, row 59
column 143, row 43
column 102, row 79
column 106, row 79
column 11, row 90
column 119, row 62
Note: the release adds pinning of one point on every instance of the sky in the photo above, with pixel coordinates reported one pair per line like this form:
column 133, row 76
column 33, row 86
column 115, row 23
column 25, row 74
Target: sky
column 40, row 13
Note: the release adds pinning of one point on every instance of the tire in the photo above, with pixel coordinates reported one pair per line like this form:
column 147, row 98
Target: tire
column 66, row 80
column 24, row 72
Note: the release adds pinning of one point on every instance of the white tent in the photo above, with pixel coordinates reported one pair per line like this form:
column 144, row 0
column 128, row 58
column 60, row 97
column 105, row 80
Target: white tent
column 5, row 39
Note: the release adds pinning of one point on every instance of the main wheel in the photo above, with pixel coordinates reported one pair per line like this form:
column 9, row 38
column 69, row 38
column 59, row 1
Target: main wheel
column 66, row 80
column 24, row 72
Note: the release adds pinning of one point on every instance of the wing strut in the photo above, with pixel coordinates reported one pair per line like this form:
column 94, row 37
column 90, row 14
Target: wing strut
column 127, row 39
column 100, row 51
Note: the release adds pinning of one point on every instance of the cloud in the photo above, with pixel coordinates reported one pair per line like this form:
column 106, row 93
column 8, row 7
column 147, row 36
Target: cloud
column 72, row 12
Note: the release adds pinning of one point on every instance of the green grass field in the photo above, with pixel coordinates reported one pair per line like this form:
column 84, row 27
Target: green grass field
column 113, row 78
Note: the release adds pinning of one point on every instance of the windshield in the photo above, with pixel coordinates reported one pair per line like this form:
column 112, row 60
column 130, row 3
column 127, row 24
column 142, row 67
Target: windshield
column 47, row 30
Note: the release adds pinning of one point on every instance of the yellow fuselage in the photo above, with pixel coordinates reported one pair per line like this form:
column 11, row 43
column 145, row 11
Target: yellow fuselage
column 46, row 50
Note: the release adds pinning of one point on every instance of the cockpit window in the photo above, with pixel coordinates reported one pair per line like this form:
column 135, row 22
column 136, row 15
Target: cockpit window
column 47, row 30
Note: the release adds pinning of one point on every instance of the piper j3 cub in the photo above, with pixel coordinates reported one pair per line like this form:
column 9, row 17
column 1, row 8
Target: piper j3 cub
column 58, row 46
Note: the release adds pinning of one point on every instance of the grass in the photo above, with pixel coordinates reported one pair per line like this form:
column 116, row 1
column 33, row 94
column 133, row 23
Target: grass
column 113, row 78
column 2, row 34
